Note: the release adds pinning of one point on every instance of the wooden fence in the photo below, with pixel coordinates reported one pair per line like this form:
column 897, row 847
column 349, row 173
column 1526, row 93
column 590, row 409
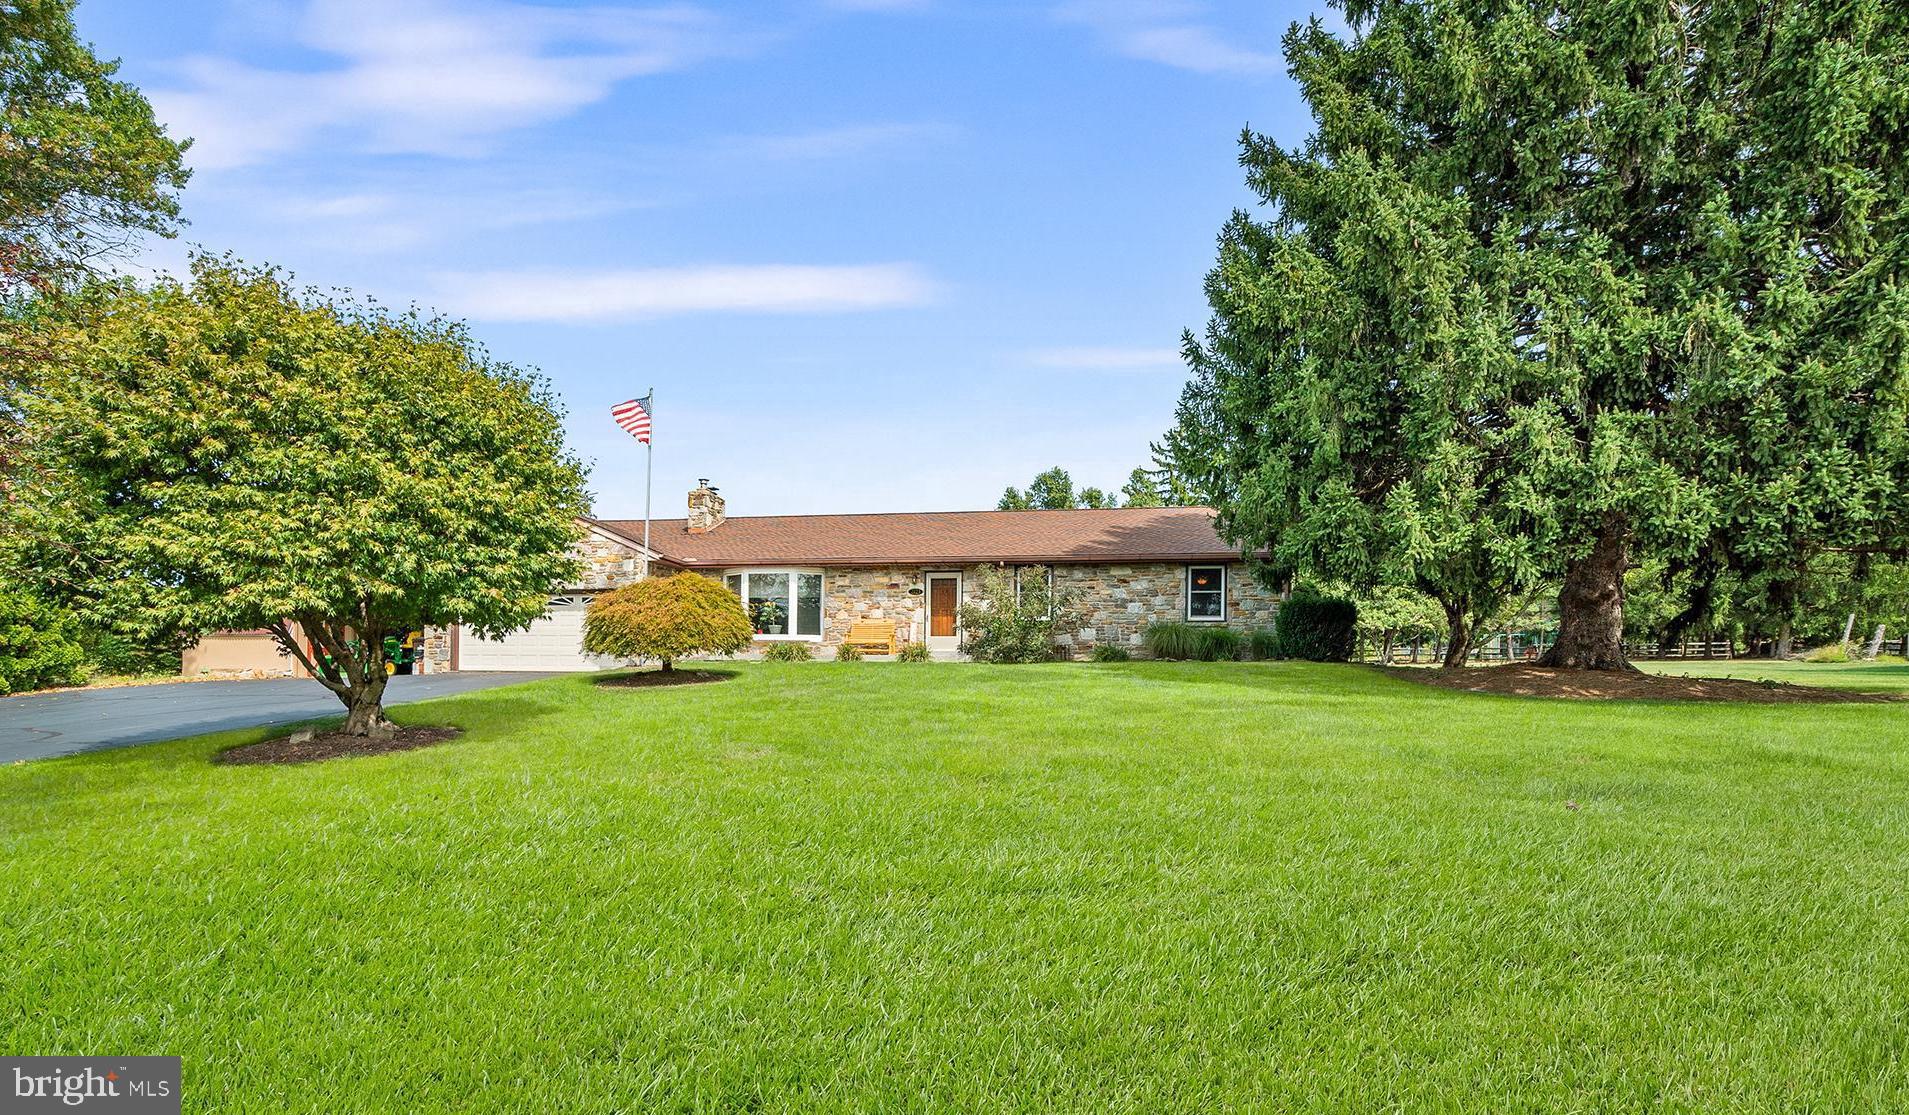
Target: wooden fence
column 1525, row 646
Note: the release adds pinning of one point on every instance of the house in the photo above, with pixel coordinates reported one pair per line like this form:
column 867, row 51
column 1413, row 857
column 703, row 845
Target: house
column 818, row 574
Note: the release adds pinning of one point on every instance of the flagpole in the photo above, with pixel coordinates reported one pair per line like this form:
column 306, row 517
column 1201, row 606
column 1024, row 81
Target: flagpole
column 649, row 477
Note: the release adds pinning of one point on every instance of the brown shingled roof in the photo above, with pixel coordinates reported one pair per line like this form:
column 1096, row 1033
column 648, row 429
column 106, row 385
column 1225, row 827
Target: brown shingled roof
column 940, row 538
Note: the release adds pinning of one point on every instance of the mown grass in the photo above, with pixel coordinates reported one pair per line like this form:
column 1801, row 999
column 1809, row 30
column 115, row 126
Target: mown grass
column 884, row 887
column 1869, row 676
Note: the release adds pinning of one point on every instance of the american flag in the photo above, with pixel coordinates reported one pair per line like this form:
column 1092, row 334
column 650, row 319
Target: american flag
column 634, row 417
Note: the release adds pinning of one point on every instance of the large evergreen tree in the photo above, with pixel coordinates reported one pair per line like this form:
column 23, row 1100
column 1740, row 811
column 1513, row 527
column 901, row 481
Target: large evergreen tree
column 1555, row 282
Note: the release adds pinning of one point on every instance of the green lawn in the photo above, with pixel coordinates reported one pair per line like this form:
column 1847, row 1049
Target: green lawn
column 890, row 887
column 1837, row 675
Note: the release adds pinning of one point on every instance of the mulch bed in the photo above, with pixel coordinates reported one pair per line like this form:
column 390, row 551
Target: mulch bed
column 658, row 677
column 1626, row 685
column 299, row 748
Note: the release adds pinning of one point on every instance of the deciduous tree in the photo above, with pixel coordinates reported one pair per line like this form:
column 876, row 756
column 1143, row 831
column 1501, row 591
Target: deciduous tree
column 1052, row 490
column 234, row 453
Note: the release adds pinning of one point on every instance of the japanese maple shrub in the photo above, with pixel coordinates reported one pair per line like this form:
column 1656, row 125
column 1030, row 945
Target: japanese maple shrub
column 667, row 618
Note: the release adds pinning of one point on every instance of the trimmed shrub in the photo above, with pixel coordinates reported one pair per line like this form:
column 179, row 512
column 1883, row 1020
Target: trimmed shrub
column 913, row 652
column 847, row 653
column 1192, row 642
column 1263, row 644
column 667, row 618
column 1316, row 628
column 1111, row 652
column 1830, row 652
column 39, row 645
column 790, row 652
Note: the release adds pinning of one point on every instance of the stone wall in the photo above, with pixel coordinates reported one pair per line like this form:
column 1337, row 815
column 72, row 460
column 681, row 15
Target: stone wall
column 436, row 658
column 1117, row 602
column 894, row 594
column 608, row 564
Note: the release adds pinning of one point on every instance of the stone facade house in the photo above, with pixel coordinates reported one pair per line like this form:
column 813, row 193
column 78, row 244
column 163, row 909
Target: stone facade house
column 809, row 577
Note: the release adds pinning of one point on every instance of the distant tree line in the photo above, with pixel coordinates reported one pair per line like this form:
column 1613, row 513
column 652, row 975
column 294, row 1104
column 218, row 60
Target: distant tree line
column 1053, row 490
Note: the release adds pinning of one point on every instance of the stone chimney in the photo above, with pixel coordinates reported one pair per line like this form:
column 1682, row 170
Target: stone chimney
column 705, row 508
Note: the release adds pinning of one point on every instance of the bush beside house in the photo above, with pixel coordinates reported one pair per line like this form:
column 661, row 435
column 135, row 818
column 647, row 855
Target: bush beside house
column 1316, row 628
column 787, row 652
column 1009, row 619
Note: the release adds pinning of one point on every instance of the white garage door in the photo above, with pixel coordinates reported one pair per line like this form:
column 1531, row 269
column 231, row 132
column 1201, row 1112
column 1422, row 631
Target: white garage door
column 554, row 642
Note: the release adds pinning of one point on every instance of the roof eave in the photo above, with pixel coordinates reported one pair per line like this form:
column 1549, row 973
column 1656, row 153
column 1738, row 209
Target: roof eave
column 957, row 560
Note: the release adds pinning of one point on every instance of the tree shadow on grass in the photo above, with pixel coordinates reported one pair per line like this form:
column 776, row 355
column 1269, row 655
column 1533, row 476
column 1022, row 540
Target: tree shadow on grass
column 652, row 678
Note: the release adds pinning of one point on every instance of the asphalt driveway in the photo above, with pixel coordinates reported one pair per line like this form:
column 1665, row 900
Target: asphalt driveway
column 41, row 725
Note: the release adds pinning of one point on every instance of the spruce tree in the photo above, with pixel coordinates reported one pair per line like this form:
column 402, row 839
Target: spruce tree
column 1555, row 284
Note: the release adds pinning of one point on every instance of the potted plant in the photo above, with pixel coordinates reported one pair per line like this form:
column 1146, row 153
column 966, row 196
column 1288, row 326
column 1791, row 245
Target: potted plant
column 768, row 616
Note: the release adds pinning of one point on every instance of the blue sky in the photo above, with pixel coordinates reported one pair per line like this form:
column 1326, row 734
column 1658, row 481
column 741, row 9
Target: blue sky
column 967, row 233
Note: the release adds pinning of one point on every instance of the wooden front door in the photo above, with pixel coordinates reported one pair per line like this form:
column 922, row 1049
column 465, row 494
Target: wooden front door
column 944, row 594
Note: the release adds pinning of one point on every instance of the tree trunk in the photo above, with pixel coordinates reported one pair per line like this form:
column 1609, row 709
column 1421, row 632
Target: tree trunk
column 1458, row 643
column 360, row 660
column 1591, row 606
column 354, row 674
column 365, row 711
column 1785, row 640
column 666, row 667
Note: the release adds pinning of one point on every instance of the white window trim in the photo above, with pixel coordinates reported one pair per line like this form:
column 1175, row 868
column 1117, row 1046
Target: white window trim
column 793, row 572
column 1186, row 597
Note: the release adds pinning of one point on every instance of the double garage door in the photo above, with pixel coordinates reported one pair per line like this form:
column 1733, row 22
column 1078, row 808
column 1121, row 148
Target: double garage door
column 554, row 643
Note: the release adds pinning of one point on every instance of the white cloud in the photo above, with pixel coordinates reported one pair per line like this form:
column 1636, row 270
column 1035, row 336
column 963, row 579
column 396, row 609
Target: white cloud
column 1170, row 33
column 1103, row 358
column 842, row 142
column 545, row 295
column 429, row 76
column 400, row 212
